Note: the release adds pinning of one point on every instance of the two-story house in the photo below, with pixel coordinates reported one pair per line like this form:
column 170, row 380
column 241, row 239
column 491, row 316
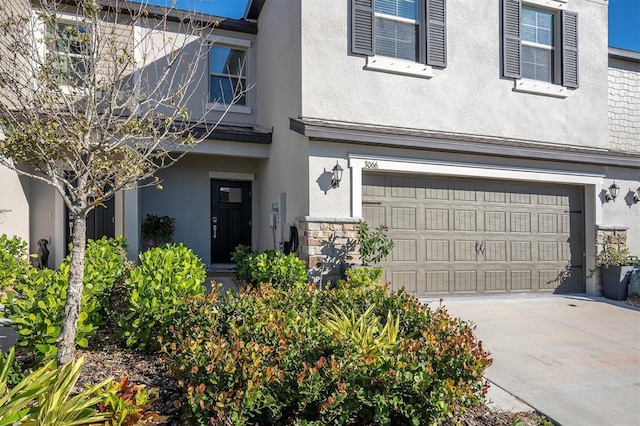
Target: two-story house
column 495, row 139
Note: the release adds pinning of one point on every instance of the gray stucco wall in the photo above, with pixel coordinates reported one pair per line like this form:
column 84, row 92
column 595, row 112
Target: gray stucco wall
column 186, row 196
column 278, row 92
column 14, row 204
column 624, row 105
column 468, row 96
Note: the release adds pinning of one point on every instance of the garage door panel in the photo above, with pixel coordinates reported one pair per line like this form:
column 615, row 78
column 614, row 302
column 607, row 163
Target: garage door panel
column 461, row 235
column 403, row 218
column 464, row 220
column 406, row 280
column 436, row 219
column 495, row 281
column 437, row 251
column 404, row 251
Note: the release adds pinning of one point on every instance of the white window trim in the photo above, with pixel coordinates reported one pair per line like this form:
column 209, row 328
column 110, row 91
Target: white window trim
column 398, row 66
column 552, row 4
column 233, row 43
column 539, row 87
column 238, row 109
column 39, row 36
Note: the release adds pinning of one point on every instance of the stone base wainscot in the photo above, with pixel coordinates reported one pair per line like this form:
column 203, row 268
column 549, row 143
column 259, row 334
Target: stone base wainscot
column 327, row 244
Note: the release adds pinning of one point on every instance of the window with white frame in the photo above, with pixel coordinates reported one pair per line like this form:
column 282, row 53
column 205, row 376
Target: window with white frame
column 227, row 75
column 67, row 52
column 411, row 30
column 397, row 29
column 540, row 42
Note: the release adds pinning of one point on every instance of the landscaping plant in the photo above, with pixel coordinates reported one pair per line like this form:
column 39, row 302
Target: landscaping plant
column 153, row 291
column 375, row 245
column 356, row 354
column 36, row 303
column 44, row 397
column 268, row 266
column 14, row 260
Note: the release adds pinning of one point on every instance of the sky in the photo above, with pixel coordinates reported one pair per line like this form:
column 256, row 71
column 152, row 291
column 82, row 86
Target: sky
column 624, row 17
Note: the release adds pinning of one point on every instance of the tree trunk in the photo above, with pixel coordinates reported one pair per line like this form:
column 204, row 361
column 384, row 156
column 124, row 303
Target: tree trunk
column 67, row 339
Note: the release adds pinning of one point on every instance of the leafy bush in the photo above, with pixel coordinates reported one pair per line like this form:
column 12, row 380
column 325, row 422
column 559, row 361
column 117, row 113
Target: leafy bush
column 298, row 355
column 268, row 266
column 128, row 403
column 164, row 275
column 375, row 245
column 36, row 303
column 43, row 397
column 14, row 260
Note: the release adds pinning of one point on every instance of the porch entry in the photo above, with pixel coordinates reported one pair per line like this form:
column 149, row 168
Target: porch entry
column 230, row 218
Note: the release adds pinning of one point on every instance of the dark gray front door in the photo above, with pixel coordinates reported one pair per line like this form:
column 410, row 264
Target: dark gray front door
column 230, row 218
column 100, row 222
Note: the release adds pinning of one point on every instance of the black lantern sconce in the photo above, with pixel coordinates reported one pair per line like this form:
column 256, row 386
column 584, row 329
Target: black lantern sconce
column 337, row 175
column 613, row 192
column 636, row 196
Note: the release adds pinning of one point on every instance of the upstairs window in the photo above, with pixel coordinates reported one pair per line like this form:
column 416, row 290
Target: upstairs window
column 67, row 53
column 540, row 43
column 397, row 29
column 227, row 75
column 412, row 30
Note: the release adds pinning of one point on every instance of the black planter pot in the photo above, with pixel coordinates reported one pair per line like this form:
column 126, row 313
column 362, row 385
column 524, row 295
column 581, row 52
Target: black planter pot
column 615, row 280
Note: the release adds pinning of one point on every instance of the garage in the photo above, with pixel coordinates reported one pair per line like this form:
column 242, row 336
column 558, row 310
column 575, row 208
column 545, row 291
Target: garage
column 470, row 236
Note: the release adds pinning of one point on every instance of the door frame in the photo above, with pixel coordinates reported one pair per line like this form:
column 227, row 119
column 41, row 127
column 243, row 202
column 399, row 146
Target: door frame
column 238, row 177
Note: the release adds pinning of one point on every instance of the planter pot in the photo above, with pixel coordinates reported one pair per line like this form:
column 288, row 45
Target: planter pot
column 615, row 280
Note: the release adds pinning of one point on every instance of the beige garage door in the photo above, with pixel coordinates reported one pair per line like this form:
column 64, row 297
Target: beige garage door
column 477, row 236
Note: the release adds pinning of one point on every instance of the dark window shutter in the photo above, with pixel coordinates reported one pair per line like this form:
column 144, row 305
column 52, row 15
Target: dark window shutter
column 362, row 27
column 511, row 14
column 436, row 33
column 569, row 49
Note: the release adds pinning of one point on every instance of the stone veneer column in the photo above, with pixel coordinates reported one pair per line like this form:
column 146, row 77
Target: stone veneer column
column 608, row 236
column 327, row 244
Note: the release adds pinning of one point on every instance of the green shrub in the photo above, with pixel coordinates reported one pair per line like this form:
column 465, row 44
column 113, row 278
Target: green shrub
column 43, row 397
column 36, row 303
column 268, row 266
column 153, row 290
column 14, row 260
column 354, row 355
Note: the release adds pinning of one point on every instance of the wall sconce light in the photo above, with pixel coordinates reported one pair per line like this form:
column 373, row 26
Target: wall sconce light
column 636, row 196
column 337, row 175
column 613, row 192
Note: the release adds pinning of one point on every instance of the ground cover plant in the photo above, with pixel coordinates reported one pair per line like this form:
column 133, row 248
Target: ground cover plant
column 356, row 354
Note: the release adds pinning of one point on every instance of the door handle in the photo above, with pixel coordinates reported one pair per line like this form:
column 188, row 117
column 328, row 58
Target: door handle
column 215, row 228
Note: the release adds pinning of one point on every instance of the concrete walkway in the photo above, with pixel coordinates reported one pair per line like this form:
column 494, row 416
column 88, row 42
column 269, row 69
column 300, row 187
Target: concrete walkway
column 576, row 359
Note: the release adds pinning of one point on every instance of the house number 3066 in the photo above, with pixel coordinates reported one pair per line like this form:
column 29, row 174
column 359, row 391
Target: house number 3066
column 371, row 164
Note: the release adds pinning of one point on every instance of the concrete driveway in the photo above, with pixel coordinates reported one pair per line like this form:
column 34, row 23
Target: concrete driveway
column 576, row 359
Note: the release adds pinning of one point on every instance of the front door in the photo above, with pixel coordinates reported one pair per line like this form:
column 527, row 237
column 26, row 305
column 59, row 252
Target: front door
column 101, row 221
column 230, row 218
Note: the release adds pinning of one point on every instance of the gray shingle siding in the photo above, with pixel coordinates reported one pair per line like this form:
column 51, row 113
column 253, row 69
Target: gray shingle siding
column 624, row 105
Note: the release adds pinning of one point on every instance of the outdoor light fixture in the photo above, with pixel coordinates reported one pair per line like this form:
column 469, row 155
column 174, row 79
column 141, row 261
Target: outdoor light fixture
column 337, row 175
column 613, row 192
column 636, row 196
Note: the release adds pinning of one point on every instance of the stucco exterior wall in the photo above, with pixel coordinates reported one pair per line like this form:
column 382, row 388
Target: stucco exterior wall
column 624, row 105
column 468, row 96
column 14, row 204
column 278, row 91
column 155, row 47
column 186, row 196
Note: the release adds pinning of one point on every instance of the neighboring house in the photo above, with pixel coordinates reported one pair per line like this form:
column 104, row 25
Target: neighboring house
column 484, row 134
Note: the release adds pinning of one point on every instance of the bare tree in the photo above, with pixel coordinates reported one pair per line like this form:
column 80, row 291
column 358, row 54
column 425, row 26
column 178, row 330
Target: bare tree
column 95, row 98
